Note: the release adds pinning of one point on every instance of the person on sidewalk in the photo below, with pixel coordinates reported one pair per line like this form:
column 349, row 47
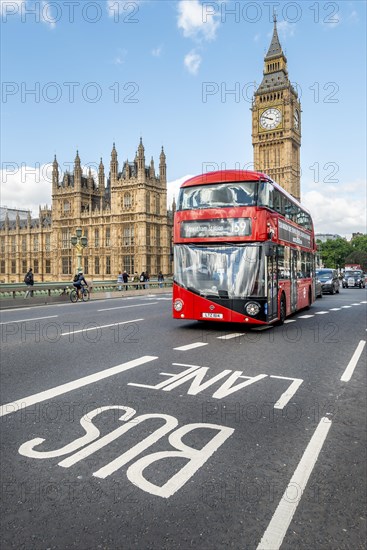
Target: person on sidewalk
column 160, row 279
column 29, row 281
column 125, row 278
column 119, row 281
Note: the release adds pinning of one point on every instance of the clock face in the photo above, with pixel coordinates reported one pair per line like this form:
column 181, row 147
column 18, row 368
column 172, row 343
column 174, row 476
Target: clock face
column 271, row 118
column 296, row 119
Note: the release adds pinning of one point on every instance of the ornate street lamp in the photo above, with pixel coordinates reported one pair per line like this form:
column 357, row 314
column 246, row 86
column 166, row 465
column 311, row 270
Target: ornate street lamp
column 79, row 242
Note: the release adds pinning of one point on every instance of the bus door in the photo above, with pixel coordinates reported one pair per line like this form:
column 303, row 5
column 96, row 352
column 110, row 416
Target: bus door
column 293, row 280
column 272, row 287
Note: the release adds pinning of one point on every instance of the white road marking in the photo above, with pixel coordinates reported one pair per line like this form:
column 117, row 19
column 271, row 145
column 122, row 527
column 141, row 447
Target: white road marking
column 229, row 336
column 125, row 307
column 289, row 393
column 335, row 309
column 19, row 404
column 25, row 320
column 100, row 326
column 346, row 307
column 279, row 523
column 321, row 312
column 289, row 321
column 305, row 316
column 191, row 346
column 348, row 373
column 356, row 304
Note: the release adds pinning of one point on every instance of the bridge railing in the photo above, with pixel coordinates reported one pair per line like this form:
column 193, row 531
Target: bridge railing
column 18, row 290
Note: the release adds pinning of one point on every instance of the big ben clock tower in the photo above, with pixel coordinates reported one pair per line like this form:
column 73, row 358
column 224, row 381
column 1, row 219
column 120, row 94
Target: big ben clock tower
column 276, row 122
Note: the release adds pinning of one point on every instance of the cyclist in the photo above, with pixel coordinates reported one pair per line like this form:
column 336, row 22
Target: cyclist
column 79, row 282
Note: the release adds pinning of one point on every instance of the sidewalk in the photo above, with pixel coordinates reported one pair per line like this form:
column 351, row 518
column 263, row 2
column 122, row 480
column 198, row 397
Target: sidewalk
column 100, row 295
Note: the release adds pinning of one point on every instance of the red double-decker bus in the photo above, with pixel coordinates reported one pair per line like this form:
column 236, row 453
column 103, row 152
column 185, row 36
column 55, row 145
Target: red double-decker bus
column 244, row 250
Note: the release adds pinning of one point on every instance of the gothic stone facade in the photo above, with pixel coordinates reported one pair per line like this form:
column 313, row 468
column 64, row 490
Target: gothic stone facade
column 126, row 223
column 276, row 122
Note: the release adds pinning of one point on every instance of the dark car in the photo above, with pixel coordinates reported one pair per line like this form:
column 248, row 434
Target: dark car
column 329, row 280
column 354, row 278
column 318, row 288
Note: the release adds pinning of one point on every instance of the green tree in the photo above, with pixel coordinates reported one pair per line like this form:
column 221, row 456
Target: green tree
column 358, row 254
column 333, row 253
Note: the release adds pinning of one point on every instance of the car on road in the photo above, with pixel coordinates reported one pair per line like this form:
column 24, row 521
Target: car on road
column 329, row 280
column 354, row 278
column 318, row 288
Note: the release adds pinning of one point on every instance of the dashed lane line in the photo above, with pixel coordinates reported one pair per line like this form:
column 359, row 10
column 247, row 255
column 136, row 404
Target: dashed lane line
column 348, row 373
column 305, row 316
column 321, row 312
column 229, row 336
column 191, row 346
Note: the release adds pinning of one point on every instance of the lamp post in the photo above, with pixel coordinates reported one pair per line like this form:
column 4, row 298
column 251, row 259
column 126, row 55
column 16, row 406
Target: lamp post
column 79, row 243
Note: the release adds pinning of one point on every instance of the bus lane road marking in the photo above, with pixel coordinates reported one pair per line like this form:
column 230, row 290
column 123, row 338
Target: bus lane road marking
column 20, row 404
column 282, row 517
column 348, row 373
column 199, row 381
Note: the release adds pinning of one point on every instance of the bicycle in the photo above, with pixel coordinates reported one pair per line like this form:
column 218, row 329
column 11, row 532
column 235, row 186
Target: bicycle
column 84, row 293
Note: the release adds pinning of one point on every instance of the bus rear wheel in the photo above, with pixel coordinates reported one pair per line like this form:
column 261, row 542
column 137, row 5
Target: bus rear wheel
column 282, row 310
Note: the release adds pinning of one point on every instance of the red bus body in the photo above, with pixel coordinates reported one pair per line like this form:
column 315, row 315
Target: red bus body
column 238, row 262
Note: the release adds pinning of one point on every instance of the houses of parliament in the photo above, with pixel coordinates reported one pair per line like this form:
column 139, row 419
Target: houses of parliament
column 124, row 216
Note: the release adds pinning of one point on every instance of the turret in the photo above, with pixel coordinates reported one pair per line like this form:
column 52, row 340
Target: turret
column 55, row 175
column 101, row 177
column 141, row 158
column 151, row 169
column 77, row 172
column 114, row 165
column 162, row 167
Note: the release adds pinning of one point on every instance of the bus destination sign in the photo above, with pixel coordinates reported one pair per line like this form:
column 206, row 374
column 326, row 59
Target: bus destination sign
column 291, row 234
column 216, row 227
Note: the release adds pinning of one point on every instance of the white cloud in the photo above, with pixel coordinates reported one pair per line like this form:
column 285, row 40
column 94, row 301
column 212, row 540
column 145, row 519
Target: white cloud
column 156, row 52
column 173, row 188
column 120, row 57
column 29, row 187
column 192, row 62
column 9, row 8
column 196, row 20
column 333, row 213
column 26, row 187
column 285, row 29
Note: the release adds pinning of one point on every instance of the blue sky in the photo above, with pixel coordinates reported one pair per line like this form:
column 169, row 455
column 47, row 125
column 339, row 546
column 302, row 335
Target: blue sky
column 114, row 71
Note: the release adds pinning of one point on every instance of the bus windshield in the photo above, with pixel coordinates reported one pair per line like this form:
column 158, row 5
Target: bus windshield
column 219, row 195
column 227, row 271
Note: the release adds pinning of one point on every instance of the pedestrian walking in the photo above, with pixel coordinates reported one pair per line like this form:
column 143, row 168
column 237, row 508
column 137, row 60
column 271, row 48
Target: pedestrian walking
column 142, row 279
column 160, row 279
column 136, row 280
column 125, row 278
column 29, row 281
column 119, row 281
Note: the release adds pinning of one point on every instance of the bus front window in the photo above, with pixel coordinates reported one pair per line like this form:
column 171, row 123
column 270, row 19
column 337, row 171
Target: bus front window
column 227, row 271
column 217, row 195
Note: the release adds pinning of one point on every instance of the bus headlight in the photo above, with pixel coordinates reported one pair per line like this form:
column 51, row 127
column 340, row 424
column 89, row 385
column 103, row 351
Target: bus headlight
column 178, row 304
column 252, row 308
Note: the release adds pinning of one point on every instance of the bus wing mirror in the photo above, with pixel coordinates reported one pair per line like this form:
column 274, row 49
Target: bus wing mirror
column 269, row 249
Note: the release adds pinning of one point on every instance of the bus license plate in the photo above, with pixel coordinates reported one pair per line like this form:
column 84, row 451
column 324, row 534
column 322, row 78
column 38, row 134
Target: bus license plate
column 212, row 315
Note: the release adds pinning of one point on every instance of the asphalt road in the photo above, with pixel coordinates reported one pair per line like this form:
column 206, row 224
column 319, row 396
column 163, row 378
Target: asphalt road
column 123, row 428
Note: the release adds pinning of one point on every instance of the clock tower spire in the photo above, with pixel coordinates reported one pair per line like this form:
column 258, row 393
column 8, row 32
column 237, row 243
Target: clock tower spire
column 276, row 123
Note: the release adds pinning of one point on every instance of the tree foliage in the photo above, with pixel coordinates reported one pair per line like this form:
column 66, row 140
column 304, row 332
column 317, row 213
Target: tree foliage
column 336, row 253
